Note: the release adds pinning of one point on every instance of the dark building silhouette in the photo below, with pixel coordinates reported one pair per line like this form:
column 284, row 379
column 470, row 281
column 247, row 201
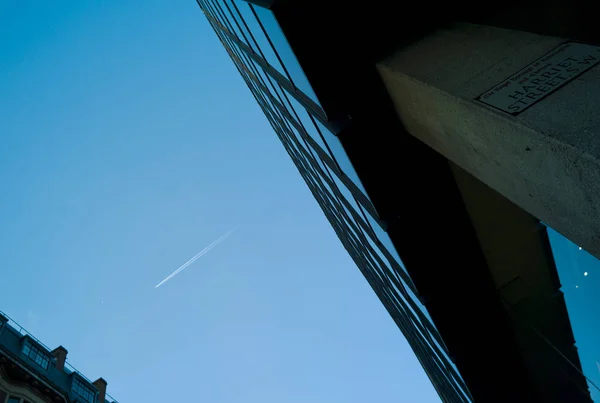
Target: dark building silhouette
column 32, row 373
column 435, row 138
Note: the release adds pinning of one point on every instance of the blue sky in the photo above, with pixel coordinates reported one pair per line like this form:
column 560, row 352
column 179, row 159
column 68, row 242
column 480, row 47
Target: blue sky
column 128, row 143
column 579, row 274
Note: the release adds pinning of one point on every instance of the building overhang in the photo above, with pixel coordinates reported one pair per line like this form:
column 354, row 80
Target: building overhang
column 481, row 307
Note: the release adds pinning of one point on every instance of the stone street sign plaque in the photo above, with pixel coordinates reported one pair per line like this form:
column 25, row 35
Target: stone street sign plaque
column 542, row 77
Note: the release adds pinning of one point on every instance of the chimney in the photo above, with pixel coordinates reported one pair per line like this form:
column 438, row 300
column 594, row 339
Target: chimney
column 60, row 353
column 100, row 383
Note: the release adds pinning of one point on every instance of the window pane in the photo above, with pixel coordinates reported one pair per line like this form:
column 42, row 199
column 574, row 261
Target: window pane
column 232, row 23
column 345, row 192
column 382, row 262
column 259, row 35
column 84, row 391
column 340, row 155
column 389, row 267
column 285, row 52
column 270, row 83
column 39, row 356
column 418, row 302
column 307, row 122
column 239, row 23
column 217, row 12
column 384, row 238
column 229, row 20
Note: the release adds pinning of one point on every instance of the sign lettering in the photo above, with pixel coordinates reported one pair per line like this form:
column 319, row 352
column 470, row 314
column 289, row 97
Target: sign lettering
column 543, row 76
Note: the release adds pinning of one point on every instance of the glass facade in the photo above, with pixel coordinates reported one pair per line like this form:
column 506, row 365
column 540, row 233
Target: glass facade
column 258, row 47
column 579, row 274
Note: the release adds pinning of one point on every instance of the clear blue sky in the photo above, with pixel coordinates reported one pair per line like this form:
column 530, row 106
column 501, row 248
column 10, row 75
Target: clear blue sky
column 579, row 274
column 128, row 142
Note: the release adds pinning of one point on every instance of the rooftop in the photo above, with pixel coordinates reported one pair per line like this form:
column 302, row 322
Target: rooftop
column 11, row 344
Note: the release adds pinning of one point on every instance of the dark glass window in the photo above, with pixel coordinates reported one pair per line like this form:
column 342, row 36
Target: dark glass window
column 307, row 122
column 83, row 390
column 341, row 157
column 264, row 47
column 322, row 161
column 36, row 354
column 285, row 52
column 13, row 399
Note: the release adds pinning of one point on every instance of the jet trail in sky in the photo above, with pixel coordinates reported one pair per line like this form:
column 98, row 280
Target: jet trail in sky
column 198, row 256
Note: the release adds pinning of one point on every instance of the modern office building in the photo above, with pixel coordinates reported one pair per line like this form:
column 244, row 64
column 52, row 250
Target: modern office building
column 32, row 373
column 442, row 142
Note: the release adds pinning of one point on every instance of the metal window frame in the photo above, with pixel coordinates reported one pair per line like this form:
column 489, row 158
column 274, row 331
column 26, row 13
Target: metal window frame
column 279, row 127
column 437, row 365
column 352, row 232
column 261, row 3
column 300, row 96
column 329, row 159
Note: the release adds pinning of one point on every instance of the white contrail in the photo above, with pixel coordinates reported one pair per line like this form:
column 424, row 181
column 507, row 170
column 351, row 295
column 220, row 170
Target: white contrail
column 197, row 256
column 193, row 259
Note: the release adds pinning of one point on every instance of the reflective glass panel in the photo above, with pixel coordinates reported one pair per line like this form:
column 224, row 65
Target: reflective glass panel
column 263, row 43
column 285, row 52
column 340, row 155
